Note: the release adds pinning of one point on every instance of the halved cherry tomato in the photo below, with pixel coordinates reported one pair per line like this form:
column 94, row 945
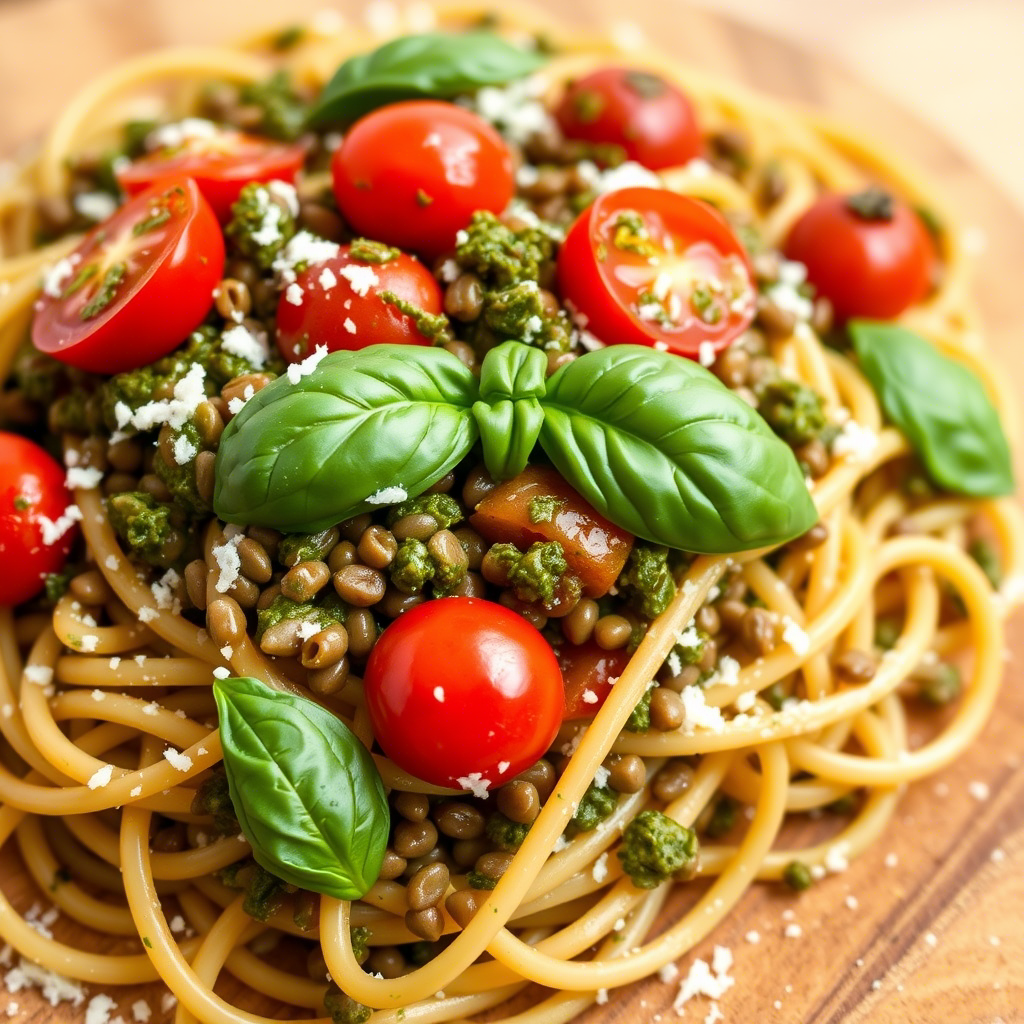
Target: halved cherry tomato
column 138, row 284
column 220, row 162
column 648, row 117
column 869, row 253
column 412, row 174
column 462, row 690
column 31, row 488
column 538, row 505
column 326, row 307
column 589, row 673
column 647, row 266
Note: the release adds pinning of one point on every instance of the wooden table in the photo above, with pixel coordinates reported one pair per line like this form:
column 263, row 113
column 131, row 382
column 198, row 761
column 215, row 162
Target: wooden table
column 928, row 926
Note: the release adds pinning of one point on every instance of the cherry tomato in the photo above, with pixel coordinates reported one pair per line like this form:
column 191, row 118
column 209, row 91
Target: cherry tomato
column 31, row 488
column 327, row 308
column 589, row 672
column 461, row 688
column 138, row 284
column 219, row 162
column 646, row 266
column 648, row 117
column 869, row 254
column 412, row 174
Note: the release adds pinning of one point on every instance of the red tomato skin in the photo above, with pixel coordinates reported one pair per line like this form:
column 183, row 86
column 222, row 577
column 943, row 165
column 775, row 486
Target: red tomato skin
column 588, row 667
column 502, row 691
column 29, row 474
column 157, row 309
column 320, row 317
column 644, row 114
column 588, row 282
column 866, row 268
column 412, row 174
column 220, row 174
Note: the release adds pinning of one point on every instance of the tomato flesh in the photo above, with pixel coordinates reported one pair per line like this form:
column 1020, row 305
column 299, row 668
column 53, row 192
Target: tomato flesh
column 648, row 117
column 463, row 689
column 220, row 161
column 31, row 488
column 326, row 307
column 589, row 672
column 650, row 267
column 138, row 284
column 412, row 174
column 595, row 549
column 870, row 267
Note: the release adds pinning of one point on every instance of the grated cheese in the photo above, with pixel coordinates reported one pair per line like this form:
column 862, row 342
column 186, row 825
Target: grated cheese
column 88, row 478
column 360, row 278
column 41, row 675
column 475, row 783
column 189, row 393
column 699, row 714
column 101, row 777
column 178, row 760
column 296, row 371
column 54, row 529
column 388, row 496
column 703, row 980
column 59, row 274
column 95, row 206
column 248, row 345
column 794, row 635
column 600, row 870
column 98, row 1010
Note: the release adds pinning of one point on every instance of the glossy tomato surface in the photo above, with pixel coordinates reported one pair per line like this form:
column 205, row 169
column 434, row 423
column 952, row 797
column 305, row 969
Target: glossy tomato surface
column 338, row 303
column 411, row 174
column 138, row 284
column 641, row 112
column 220, row 162
column 32, row 488
column 646, row 266
column 459, row 688
column 589, row 672
column 870, row 266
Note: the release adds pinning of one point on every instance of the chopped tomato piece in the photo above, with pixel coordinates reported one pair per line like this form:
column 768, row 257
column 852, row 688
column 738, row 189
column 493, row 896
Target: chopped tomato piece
column 538, row 505
column 589, row 672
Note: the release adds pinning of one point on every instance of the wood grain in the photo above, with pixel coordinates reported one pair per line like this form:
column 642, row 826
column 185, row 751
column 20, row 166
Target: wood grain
column 936, row 938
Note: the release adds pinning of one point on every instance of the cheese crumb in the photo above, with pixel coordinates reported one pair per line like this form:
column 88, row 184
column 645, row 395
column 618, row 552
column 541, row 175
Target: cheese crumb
column 793, row 931
column 112, row 562
column 221, row 673
column 979, row 790
column 241, row 342
column 706, row 354
column 296, row 371
column 837, row 857
column 600, row 870
column 177, row 759
column 602, row 996
column 360, row 278
column 794, row 635
column 88, row 478
column 703, row 980
column 54, row 529
column 228, row 561
column 349, row 325
column 699, row 714
column 388, row 496
column 141, row 1011
column 753, row 937
column 855, row 442
column 589, row 697
column 101, row 777
column 147, row 614
column 98, row 1010
column 475, row 783
column 41, row 675
column 668, row 973
column 135, row 791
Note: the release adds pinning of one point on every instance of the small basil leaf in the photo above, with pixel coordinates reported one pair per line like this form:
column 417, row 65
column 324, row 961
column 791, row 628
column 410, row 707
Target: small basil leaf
column 306, row 791
column 663, row 449
column 435, row 64
column 364, row 429
column 939, row 405
column 508, row 415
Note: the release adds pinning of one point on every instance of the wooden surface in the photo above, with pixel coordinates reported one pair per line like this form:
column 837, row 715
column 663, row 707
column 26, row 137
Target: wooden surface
column 928, row 926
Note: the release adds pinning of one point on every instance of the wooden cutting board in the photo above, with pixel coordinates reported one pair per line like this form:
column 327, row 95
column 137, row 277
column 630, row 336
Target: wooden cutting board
column 928, row 926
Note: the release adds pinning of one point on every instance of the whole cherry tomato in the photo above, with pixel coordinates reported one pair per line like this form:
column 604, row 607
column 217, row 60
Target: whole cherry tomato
column 411, row 174
column 646, row 266
column 463, row 691
column 648, row 117
column 338, row 303
column 589, row 672
column 220, row 161
column 138, row 284
column 34, row 538
column 868, row 253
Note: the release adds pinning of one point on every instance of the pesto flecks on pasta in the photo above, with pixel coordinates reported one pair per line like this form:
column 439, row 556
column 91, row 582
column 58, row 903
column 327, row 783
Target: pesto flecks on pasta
column 457, row 489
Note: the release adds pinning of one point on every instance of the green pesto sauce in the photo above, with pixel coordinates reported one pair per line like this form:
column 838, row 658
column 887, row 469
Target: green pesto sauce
column 597, row 803
column 794, row 411
column 646, row 580
column 181, row 479
column 533, row 575
column 544, row 507
column 443, row 507
column 640, row 717
column 251, row 214
column 500, row 256
column 326, row 614
column 433, row 326
column 306, row 547
column 368, row 251
column 146, row 526
column 656, row 848
column 506, row 834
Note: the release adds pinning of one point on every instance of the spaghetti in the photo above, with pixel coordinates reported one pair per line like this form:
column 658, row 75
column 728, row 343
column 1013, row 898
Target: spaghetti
column 106, row 822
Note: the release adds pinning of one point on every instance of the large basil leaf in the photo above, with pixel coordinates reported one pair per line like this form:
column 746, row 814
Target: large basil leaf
column 512, row 377
column 364, row 429
column 306, row 791
column 435, row 64
column 939, row 405
column 661, row 448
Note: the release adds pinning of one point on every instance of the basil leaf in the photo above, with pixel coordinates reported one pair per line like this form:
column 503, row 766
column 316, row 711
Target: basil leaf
column 663, row 449
column 435, row 64
column 306, row 791
column 512, row 377
column 939, row 405
column 364, row 429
